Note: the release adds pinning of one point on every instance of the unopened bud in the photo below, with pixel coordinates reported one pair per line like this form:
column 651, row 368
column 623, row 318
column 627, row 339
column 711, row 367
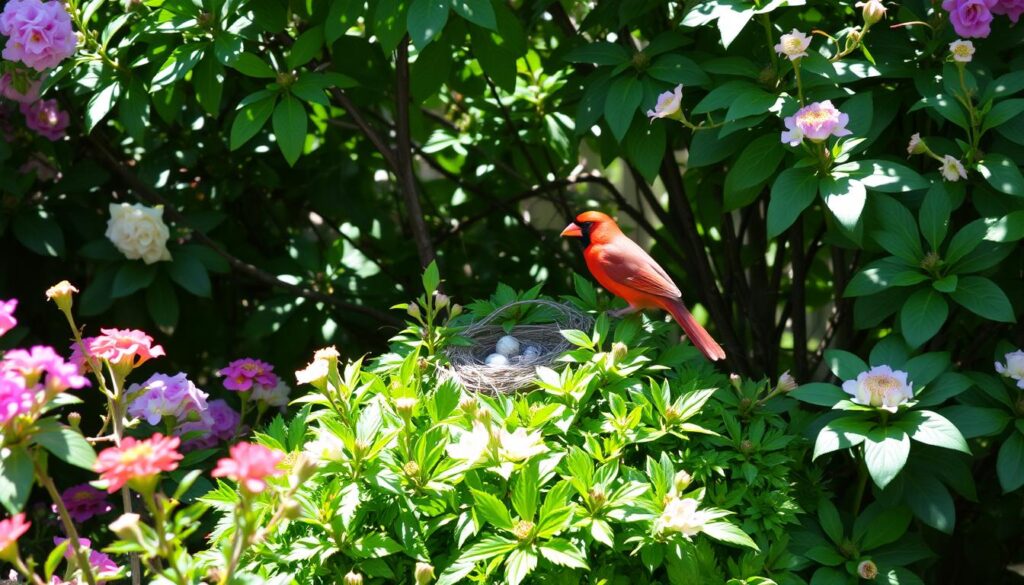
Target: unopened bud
column 441, row 301
column 127, row 528
column 745, row 404
column 598, row 496
column 483, row 416
column 411, row 469
column 681, row 481
column 303, row 468
column 867, row 570
column 746, row 447
column 404, row 407
column 361, row 448
column 455, row 311
column 931, row 262
column 619, row 351
column 787, row 383
column 62, row 293
column 672, row 413
column 872, row 11
column 74, row 419
column 736, row 381
column 413, row 310
column 523, row 529
column 469, row 404
column 424, row 573
column 291, row 509
column 353, row 578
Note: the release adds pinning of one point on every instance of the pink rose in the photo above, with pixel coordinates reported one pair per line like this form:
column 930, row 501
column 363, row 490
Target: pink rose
column 47, row 119
column 26, row 91
column 970, row 18
column 1011, row 8
column 39, row 34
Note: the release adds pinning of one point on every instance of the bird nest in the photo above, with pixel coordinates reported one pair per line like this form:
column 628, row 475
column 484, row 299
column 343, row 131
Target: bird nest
column 540, row 326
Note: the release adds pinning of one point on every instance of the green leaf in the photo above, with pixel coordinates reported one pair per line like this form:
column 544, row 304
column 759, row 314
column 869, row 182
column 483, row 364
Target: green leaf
column 624, row 97
column 947, row 386
column 645, row 147
column 599, row 53
column 38, row 231
column 755, row 165
column 54, row 558
column 930, row 428
column 132, row 276
column 844, row 364
column 841, row 433
column 792, row 192
column 886, row 527
column 209, row 83
column 885, row 453
column 492, row 510
column 882, row 274
column 189, row 272
column 922, row 316
column 824, row 555
column 16, row 478
column 899, row 237
column 934, row 215
column 983, row 297
column 882, row 175
column 479, row 12
column 431, row 69
column 65, row 443
column 1009, row 463
column 307, row 46
column 677, row 69
column 965, row 241
column 1001, row 113
column 973, row 421
column 426, row 20
column 177, row 66
column 751, row 101
column 134, row 109
column 831, row 523
column 1002, row 173
column 563, row 553
column 162, row 302
column 290, row 128
column 431, row 278
column 729, row 534
column 829, row 576
column 946, row 106
column 100, row 104
column 525, row 491
column 250, row 120
column 819, row 393
column 389, row 23
column 521, row 562
column 1009, row 228
column 845, row 198
column 253, row 66
column 931, row 502
column 496, row 57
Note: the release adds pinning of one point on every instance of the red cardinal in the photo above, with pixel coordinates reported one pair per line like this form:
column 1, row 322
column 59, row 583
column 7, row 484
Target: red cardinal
column 624, row 269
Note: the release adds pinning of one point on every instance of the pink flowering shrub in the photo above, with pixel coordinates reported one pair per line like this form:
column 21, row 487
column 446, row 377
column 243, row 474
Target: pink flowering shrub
column 46, row 118
column 39, row 34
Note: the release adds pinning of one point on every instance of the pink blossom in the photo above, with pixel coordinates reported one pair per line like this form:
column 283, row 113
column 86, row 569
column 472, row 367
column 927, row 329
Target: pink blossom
column 47, row 119
column 241, row 374
column 84, row 502
column 250, row 464
column 7, row 320
column 15, row 397
column 39, row 34
column 39, row 360
column 101, row 564
column 135, row 459
column 129, row 347
column 970, row 18
column 815, row 122
column 219, row 422
column 11, row 530
column 28, row 92
column 1011, row 8
column 163, row 395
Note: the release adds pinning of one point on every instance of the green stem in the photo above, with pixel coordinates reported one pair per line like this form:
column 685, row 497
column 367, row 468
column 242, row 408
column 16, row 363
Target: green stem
column 799, row 81
column 20, row 566
column 69, row 526
column 766, row 23
column 116, row 414
column 862, row 482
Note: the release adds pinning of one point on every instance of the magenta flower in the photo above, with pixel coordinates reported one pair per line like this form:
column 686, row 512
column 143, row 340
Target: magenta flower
column 39, row 34
column 970, row 18
column 219, row 422
column 1010, row 8
column 15, row 398
column 84, row 502
column 7, row 320
column 22, row 92
column 41, row 359
column 163, row 395
column 41, row 166
column 250, row 464
column 241, row 374
column 815, row 122
column 129, row 347
column 102, row 565
column 47, row 119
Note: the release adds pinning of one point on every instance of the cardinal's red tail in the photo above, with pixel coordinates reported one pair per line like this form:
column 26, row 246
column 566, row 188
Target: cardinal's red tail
column 697, row 334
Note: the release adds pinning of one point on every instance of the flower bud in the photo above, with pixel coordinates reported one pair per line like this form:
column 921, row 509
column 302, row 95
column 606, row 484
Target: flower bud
column 867, row 570
column 598, row 496
column 291, row 509
column 619, row 350
column 353, row 578
column 931, row 261
column 424, row 573
column 681, row 481
column 404, row 407
column 411, row 469
column 872, row 11
column 746, row 447
column 303, row 468
column 62, row 293
column 441, row 301
column 413, row 310
column 523, row 529
column 455, row 311
column 787, row 383
column 75, row 419
column 127, row 528
column 484, row 416
column 736, row 381
column 469, row 404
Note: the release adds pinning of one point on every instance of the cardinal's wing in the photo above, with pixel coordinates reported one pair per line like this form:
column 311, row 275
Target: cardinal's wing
column 628, row 264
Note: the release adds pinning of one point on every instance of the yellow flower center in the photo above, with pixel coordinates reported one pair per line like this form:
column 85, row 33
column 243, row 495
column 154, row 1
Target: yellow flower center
column 880, row 385
column 962, row 50
column 792, row 45
column 815, row 117
column 137, row 452
column 523, row 529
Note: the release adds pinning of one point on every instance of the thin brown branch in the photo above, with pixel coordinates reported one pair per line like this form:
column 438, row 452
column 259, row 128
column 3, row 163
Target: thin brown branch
column 370, row 133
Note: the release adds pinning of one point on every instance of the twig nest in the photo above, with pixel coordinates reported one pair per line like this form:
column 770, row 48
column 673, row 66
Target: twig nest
column 496, row 359
column 507, row 346
column 499, row 359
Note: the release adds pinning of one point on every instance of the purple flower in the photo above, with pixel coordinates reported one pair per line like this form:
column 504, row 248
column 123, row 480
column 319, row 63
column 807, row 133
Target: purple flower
column 39, row 360
column 970, row 18
column 217, row 423
column 7, row 320
column 24, row 91
column 241, row 374
column 1011, row 8
column 84, row 502
column 39, row 34
column 163, row 395
column 15, row 398
column 101, row 564
column 47, row 119
column 815, row 122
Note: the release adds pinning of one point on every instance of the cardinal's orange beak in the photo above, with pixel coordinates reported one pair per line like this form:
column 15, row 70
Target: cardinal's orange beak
column 572, row 231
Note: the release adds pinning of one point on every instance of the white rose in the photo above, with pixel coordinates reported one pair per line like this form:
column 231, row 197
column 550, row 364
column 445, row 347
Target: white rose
column 139, row 232
column 275, row 396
